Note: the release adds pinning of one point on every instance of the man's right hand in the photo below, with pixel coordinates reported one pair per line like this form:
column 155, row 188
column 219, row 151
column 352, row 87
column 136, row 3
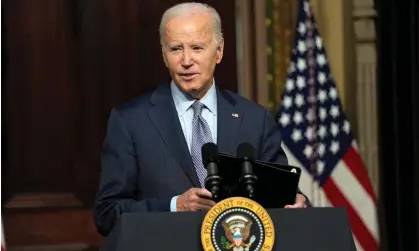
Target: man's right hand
column 195, row 199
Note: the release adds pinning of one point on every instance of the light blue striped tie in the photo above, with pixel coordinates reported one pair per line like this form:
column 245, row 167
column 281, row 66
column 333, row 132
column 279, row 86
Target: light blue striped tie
column 201, row 134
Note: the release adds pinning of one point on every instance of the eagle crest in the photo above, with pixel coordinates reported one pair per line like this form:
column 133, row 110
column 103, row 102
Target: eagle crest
column 237, row 231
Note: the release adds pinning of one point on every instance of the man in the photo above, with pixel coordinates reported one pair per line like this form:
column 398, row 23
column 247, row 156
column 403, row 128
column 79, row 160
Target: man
column 151, row 160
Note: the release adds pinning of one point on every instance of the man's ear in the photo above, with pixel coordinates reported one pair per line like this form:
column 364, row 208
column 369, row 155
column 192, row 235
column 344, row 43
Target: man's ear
column 220, row 51
column 163, row 55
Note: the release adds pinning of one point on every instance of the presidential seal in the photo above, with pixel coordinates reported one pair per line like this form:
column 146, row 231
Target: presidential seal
column 237, row 224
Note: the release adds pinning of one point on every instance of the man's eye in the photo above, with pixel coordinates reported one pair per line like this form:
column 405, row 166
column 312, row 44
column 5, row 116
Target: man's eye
column 197, row 48
column 175, row 49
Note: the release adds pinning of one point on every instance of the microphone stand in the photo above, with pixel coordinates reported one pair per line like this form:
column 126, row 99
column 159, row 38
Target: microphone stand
column 213, row 184
column 248, row 182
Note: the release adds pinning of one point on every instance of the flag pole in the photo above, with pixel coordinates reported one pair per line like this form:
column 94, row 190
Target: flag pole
column 312, row 101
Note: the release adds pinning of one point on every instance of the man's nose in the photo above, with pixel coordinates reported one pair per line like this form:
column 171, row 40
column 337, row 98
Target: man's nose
column 187, row 59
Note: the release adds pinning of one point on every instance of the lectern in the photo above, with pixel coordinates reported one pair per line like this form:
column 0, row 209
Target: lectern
column 314, row 229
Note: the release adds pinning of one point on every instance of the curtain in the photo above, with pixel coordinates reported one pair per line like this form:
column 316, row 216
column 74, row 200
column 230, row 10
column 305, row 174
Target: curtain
column 398, row 84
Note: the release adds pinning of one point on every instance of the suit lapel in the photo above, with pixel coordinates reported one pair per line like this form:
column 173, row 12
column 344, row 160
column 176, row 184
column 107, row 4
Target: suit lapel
column 228, row 122
column 164, row 117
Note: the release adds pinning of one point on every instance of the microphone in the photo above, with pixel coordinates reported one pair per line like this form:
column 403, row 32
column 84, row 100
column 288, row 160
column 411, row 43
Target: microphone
column 246, row 156
column 210, row 160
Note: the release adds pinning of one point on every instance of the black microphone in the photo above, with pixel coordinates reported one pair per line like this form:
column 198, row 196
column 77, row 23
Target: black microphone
column 210, row 160
column 246, row 156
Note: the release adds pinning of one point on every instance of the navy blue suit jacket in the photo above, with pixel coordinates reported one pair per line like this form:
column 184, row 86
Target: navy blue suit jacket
column 145, row 158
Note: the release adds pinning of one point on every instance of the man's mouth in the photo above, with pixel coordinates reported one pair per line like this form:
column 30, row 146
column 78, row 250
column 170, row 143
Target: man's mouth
column 188, row 76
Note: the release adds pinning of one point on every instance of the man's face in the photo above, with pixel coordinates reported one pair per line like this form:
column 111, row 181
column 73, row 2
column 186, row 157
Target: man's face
column 191, row 53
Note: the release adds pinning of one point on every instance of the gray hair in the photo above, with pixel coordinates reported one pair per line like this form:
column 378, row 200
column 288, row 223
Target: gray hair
column 185, row 9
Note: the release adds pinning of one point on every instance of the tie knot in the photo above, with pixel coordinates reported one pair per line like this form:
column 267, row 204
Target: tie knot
column 197, row 108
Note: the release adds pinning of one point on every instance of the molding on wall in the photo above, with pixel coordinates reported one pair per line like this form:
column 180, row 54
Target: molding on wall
column 43, row 200
column 244, row 49
column 363, row 16
column 260, row 49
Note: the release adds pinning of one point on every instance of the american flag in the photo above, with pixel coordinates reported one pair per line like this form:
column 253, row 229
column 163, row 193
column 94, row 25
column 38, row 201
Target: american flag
column 317, row 135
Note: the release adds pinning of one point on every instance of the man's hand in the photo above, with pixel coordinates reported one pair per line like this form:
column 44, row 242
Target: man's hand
column 195, row 199
column 300, row 202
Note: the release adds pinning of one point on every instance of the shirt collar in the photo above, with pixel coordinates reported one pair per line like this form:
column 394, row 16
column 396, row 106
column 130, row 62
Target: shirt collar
column 183, row 101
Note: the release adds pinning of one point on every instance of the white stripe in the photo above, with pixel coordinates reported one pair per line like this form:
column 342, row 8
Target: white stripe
column 357, row 196
column 307, row 185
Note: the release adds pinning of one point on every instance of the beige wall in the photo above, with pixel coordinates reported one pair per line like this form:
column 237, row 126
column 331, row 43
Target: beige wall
column 329, row 17
column 334, row 18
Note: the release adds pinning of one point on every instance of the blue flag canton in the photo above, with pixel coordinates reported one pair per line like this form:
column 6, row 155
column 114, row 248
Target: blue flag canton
column 313, row 124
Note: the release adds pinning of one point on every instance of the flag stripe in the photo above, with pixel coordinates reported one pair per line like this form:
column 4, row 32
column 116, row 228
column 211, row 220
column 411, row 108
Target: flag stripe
column 364, row 237
column 356, row 165
column 357, row 245
column 359, row 199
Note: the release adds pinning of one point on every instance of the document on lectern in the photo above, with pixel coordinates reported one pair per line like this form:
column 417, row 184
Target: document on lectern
column 276, row 184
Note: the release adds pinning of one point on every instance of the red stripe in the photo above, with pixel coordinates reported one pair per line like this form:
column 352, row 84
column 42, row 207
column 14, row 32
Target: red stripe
column 356, row 165
column 364, row 237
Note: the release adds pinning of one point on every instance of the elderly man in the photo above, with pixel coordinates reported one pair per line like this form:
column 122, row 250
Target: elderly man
column 151, row 160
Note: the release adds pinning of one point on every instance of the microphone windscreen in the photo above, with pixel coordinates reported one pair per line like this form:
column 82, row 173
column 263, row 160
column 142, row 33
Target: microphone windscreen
column 245, row 151
column 209, row 153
